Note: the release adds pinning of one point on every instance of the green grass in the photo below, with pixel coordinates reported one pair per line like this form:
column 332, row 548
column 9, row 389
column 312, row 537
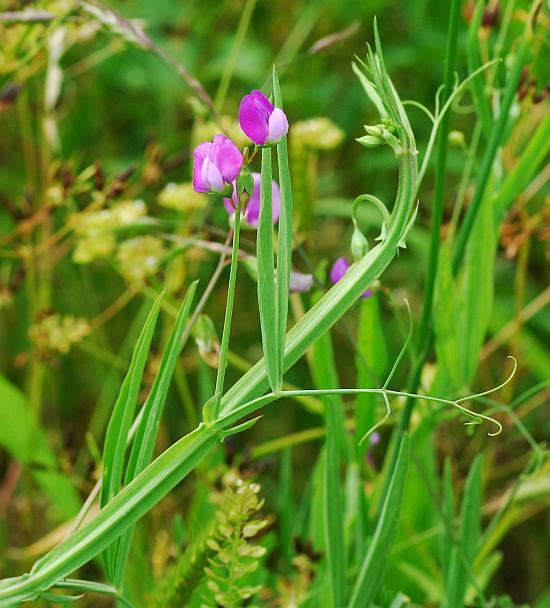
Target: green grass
column 171, row 427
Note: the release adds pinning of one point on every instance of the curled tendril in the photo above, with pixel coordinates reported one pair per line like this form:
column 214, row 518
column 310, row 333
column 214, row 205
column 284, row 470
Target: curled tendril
column 496, row 388
column 371, row 199
column 403, row 348
column 380, row 422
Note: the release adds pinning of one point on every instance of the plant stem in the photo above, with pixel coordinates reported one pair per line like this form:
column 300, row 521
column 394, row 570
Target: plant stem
column 228, row 312
column 424, row 333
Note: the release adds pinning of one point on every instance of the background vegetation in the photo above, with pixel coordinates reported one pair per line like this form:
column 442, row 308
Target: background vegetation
column 96, row 115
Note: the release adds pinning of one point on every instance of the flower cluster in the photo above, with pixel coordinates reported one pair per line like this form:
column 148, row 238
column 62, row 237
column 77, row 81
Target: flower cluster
column 140, row 257
column 95, row 229
column 58, row 333
column 217, row 163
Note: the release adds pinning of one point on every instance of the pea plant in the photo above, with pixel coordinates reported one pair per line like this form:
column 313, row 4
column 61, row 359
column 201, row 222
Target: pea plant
column 224, row 562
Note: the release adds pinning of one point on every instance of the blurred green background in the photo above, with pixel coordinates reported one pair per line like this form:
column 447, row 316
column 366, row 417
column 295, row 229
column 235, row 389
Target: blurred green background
column 127, row 109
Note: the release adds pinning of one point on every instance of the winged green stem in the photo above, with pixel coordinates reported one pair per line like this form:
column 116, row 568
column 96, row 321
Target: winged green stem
column 284, row 241
column 224, row 347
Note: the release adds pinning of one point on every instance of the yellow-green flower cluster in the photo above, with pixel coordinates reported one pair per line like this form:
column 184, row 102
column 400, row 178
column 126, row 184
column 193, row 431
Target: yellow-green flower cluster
column 235, row 556
column 140, row 257
column 181, row 197
column 318, row 133
column 95, row 229
column 58, row 333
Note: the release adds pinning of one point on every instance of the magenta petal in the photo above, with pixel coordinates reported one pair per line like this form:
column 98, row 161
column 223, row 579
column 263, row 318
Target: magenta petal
column 253, row 207
column 339, row 269
column 199, row 154
column 262, row 102
column 253, row 120
column 228, row 206
column 227, row 157
column 277, row 126
column 366, row 294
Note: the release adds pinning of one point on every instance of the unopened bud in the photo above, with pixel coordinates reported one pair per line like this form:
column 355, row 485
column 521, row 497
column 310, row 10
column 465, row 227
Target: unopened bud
column 359, row 244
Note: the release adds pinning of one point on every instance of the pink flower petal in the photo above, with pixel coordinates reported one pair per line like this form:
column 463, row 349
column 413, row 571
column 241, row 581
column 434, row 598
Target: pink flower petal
column 211, row 176
column 262, row 102
column 339, row 269
column 199, row 154
column 253, row 120
column 277, row 126
column 227, row 157
column 253, row 207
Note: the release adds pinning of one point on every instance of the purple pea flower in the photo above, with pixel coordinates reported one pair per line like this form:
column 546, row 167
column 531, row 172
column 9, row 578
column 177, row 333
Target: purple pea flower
column 260, row 120
column 215, row 164
column 252, row 212
column 339, row 269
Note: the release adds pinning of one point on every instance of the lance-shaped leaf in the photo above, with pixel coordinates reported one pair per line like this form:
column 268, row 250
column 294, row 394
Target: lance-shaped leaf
column 374, row 565
column 146, row 434
column 284, row 243
column 122, row 417
column 266, row 274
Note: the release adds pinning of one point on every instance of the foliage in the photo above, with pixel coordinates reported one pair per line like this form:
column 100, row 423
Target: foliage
column 131, row 457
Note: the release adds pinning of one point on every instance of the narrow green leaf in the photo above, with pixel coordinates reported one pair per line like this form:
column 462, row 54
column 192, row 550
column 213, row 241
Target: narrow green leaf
column 284, row 244
column 477, row 84
column 244, row 426
column 333, row 516
column 356, row 511
column 526, row 168
column 371, row 362
column 325, row 375
column 446, row 315
column 116, row 438
column 372, row 570
column 84, row 586
column 146, row 434
column 448, row 516
column 55, row 598
column 476, row 290
column 464, row 553
column 266, row 274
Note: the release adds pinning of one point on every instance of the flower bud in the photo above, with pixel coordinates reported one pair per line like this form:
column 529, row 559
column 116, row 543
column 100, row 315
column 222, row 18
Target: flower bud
column 456, row 139
column 359, row 244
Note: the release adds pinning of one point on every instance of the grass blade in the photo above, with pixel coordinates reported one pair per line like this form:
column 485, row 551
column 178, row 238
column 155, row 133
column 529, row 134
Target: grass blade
column 266, row 274
column 146, row 435
column 122, row 417
column 373, row 567
column 477, row 85
column 464, row 553
column 284, row 244
column 477, row 289
column 334, row 530
column 526, row 168
column 448, row 516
